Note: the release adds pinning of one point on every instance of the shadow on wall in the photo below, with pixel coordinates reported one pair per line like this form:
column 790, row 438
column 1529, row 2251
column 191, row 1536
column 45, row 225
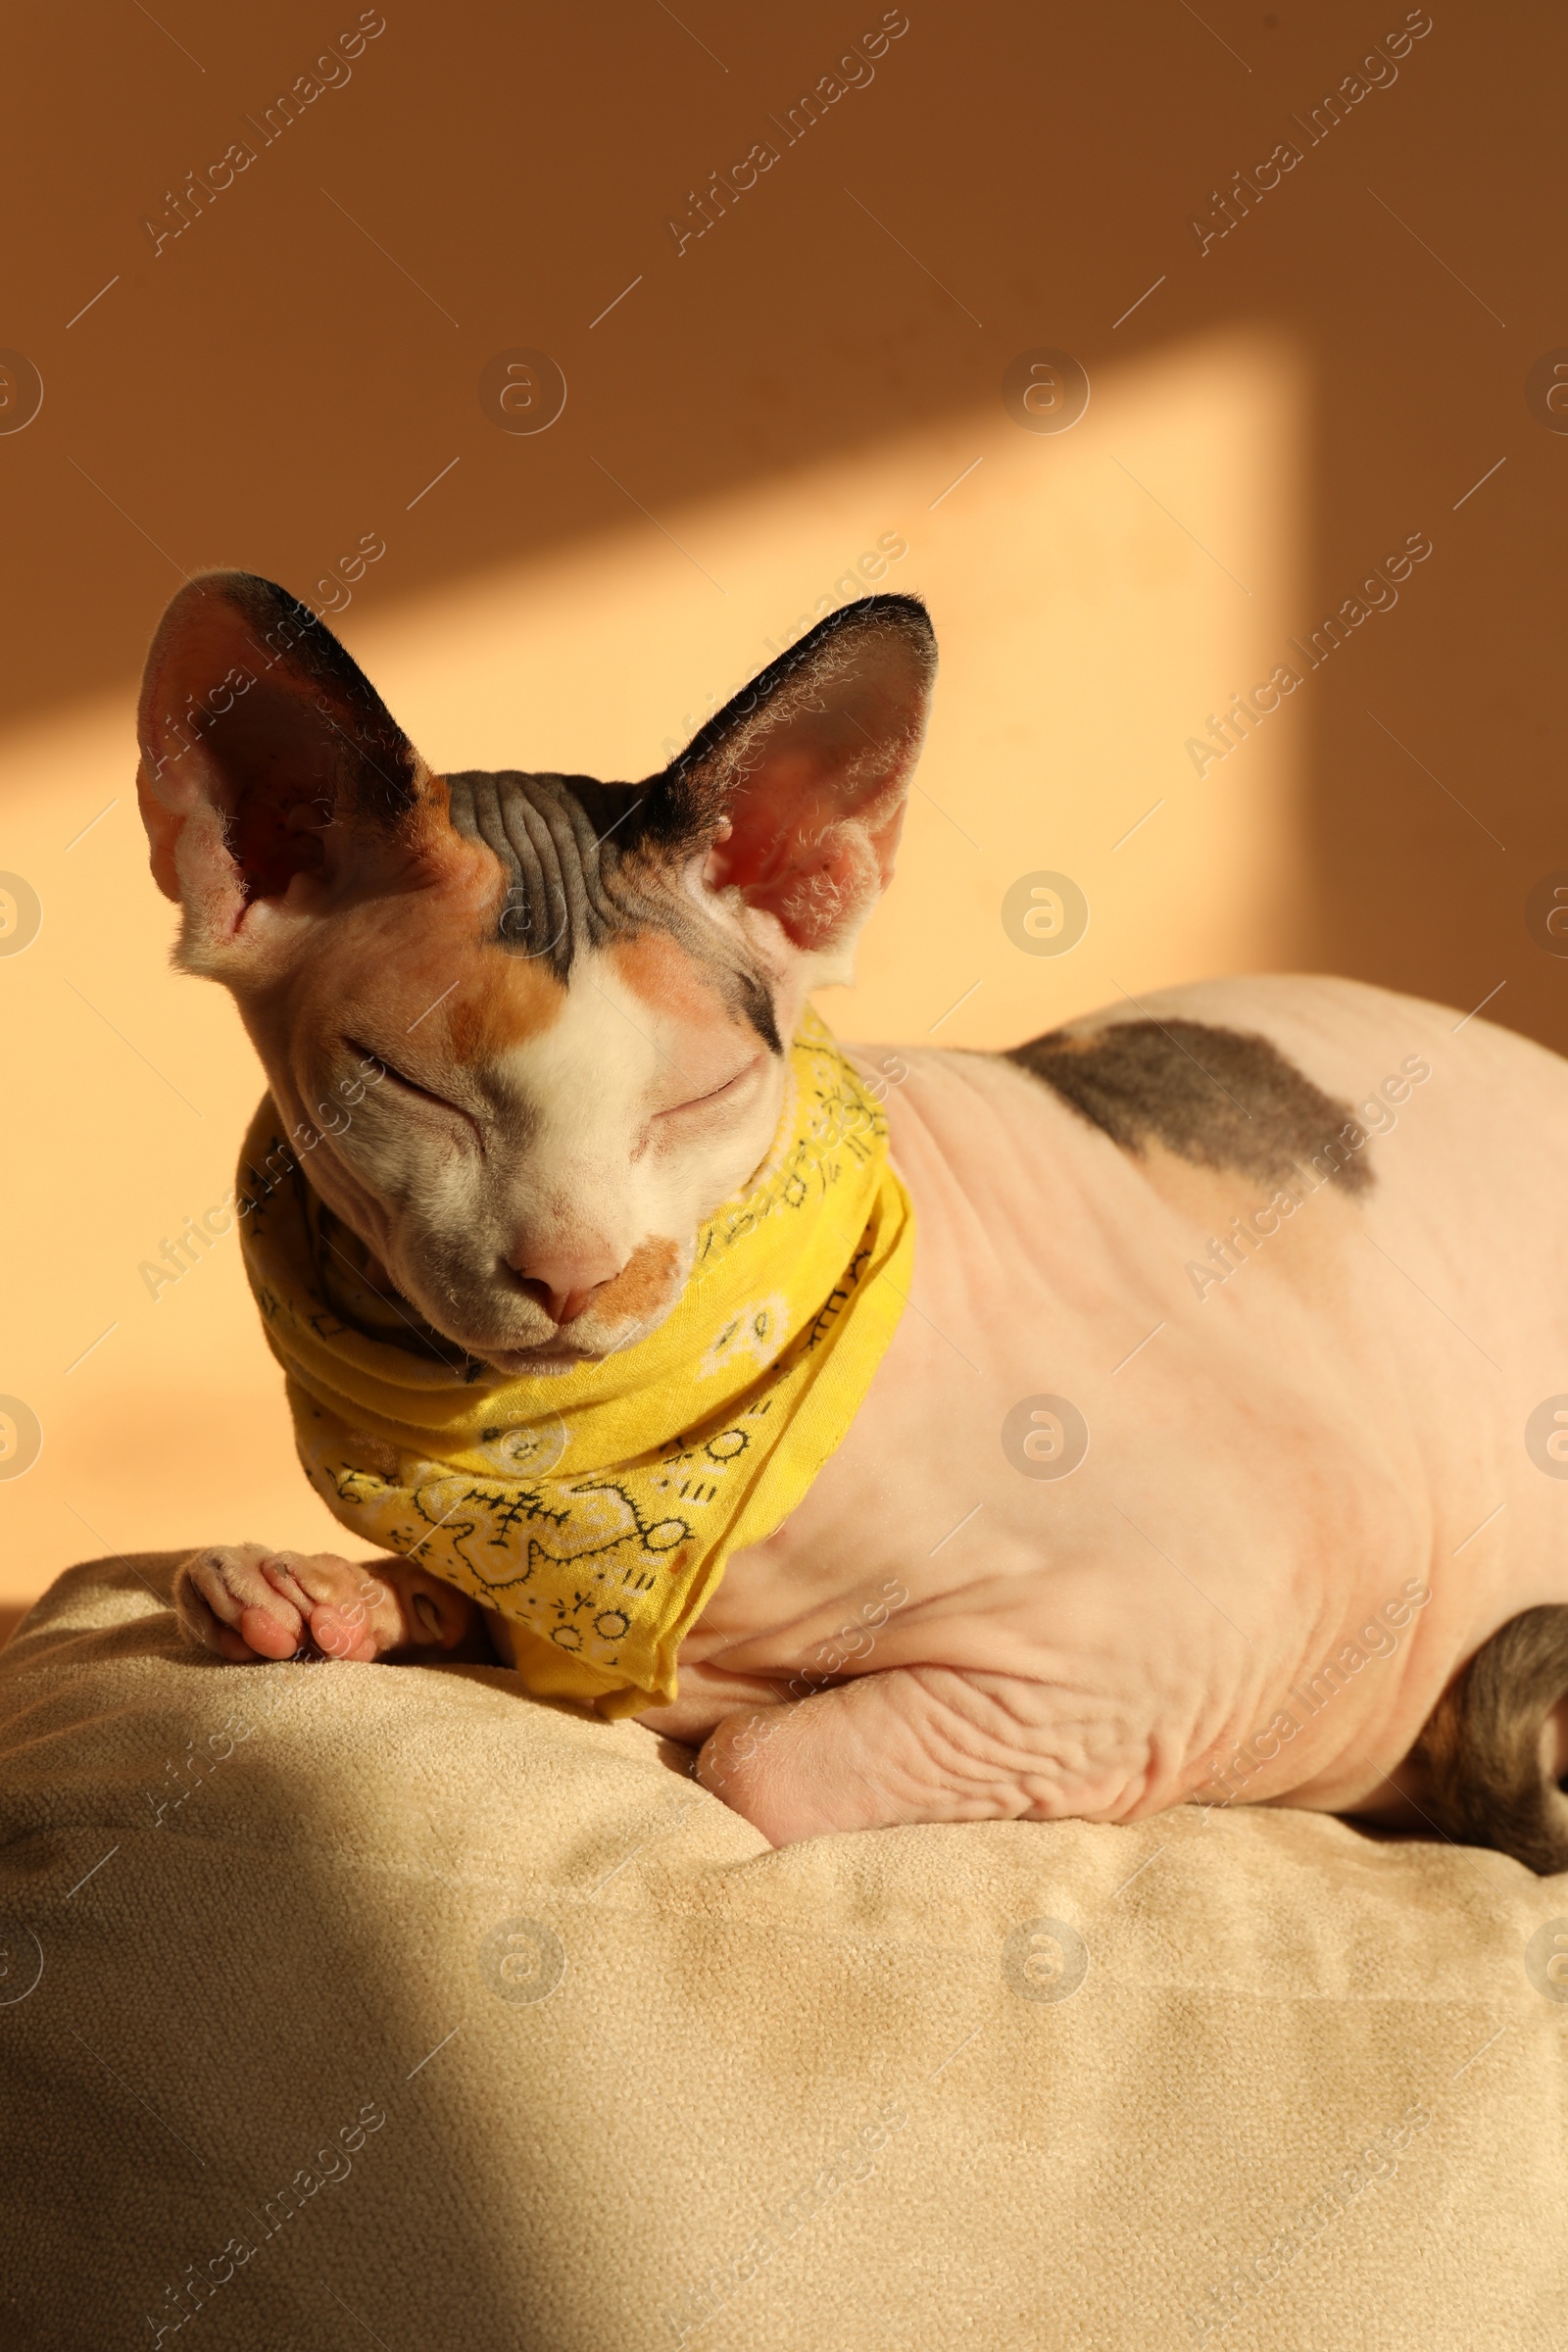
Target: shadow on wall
column 756, row 243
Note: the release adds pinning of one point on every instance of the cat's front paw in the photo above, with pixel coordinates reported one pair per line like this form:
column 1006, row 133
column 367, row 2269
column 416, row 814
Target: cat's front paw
column 248, row 1602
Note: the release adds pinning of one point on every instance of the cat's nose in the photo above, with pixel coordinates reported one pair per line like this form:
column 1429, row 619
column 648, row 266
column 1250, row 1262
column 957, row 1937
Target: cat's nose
column 561, row 1307
column 563, row 1284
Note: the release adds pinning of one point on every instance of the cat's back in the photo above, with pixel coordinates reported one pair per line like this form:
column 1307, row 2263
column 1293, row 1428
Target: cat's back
column 1210, row 1092
column 1301, row 1239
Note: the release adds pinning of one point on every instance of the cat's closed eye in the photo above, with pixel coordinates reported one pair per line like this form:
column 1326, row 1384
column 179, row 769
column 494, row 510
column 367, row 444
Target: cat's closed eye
column 729, row 1090
column 412, row 1086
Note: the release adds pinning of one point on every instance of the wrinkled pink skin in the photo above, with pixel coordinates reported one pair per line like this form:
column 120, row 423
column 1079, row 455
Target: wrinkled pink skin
column 1287, row 1461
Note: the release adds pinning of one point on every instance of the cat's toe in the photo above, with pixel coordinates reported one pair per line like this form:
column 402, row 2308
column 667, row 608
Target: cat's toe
column 225, row 1604
column 354, row 1614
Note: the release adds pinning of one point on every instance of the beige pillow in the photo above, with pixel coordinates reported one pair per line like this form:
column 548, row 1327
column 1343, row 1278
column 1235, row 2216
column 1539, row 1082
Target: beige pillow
column 347, row 2005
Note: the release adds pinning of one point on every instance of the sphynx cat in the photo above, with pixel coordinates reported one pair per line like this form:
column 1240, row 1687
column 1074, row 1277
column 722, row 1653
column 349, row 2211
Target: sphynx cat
column 1197, row 1469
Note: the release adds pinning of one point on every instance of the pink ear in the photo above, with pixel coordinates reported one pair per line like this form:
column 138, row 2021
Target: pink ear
column 800, row 784
column 263, row 747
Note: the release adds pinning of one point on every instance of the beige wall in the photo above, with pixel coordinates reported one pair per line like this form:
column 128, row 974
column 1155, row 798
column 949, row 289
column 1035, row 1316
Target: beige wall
column 787, row 392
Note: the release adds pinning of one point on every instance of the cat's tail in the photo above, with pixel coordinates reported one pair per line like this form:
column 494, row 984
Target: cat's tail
column 1487, row 1780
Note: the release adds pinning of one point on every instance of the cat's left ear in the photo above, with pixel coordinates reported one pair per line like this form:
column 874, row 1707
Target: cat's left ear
column 797, row 789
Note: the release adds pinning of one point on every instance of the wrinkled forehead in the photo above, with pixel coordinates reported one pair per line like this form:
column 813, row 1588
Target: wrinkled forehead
column 567, row 883
column 580, row 887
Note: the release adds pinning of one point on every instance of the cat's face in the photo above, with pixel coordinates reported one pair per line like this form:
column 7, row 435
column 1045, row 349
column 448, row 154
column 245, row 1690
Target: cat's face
column 528, row 1032
column 535, row 1162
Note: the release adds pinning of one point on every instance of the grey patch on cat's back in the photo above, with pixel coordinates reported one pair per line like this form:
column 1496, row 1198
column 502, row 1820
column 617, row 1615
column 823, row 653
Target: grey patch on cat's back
column 1219, row 1097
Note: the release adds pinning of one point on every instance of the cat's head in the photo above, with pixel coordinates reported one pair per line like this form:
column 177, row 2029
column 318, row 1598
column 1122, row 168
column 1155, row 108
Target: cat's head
column 581, row 994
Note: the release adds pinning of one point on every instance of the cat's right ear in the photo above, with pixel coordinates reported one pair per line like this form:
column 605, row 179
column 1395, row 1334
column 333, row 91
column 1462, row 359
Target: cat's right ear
column 272, row 775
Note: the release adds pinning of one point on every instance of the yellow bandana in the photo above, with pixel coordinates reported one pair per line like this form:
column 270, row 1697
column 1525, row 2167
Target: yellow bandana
column 595, row 1508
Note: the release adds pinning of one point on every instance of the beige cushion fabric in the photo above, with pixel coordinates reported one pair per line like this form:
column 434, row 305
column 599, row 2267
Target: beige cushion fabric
column 643, row 2082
